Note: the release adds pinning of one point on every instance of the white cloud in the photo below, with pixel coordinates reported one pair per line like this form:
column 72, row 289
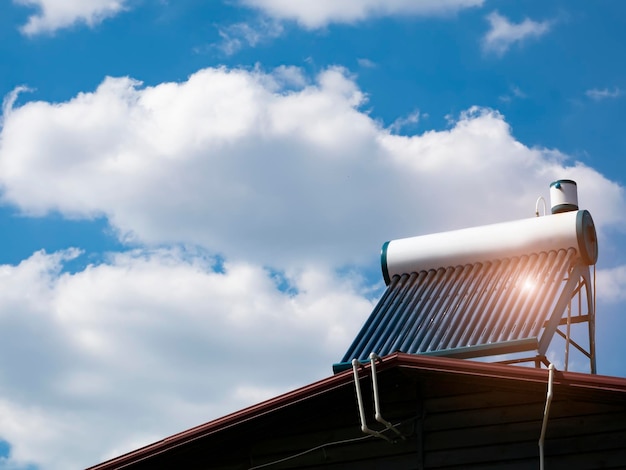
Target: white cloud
column 322, row 12
column 248, row 165
column 239, row 35
column 127, row 352
column 503, row 33
column 56, row 14
column 407, row 121
column 366, row 63
column 611, row 284
column 515, row 92
column 604, row 93
column 9, row 100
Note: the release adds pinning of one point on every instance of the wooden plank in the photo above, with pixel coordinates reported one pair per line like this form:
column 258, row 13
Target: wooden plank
column 592, row 442
column 485, row 399
column 481, row 417
column 368, row 449
column 515, row 413
column 606, row 459
column 506, row 433
column 463, row 457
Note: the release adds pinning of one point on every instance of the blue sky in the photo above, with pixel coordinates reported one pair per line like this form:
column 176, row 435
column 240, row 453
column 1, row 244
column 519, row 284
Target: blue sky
column 194, row 194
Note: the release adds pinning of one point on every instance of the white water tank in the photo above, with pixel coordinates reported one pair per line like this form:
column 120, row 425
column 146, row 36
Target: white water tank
column 563, row 196
column 569, row 229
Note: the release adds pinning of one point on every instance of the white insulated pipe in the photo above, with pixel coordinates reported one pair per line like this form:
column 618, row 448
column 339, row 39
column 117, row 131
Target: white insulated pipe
column 546, row 412
column 359, row 397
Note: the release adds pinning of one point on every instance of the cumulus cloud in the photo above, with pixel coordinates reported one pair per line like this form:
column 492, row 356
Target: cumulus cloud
column 262, row 167
column 140, row 340
column 503, row 33
column 56, row 14
column 320, row 13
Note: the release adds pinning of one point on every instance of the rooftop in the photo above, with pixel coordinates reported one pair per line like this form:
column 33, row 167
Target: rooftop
column 440, row 404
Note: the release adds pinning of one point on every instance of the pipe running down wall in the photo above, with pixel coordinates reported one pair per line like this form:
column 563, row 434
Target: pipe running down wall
column 377, row 414
column 546, row 412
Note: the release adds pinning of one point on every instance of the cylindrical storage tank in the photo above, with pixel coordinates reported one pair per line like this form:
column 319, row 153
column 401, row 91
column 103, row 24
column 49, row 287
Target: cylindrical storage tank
column 574, row 229
column 563, row 196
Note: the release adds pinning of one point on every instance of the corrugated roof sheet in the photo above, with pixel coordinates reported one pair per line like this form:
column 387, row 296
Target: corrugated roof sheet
column 488, row 308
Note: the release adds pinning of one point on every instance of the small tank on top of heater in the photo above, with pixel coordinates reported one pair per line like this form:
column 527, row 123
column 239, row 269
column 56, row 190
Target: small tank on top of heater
column 563, row 196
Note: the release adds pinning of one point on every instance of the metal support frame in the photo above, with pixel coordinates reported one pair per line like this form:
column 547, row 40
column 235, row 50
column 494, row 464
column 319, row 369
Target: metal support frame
column 572, row 307
column 574, row 313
